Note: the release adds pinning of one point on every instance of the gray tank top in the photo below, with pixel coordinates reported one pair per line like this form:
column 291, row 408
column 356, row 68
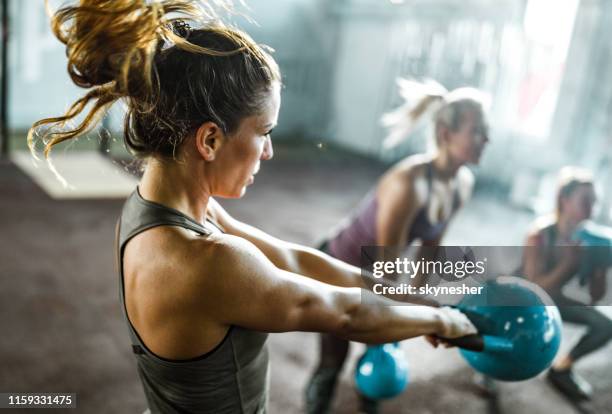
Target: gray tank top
column 231, row 378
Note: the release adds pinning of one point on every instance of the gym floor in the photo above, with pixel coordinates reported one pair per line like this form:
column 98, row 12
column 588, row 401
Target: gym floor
column 63, row 330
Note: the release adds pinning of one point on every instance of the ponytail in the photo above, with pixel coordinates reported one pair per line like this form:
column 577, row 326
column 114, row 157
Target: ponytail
column 402, row 121
column 111, row 45
column 447, row 108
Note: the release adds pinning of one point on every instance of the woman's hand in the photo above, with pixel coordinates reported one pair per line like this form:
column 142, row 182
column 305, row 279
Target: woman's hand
column 436, row 341
column 454, row 323
column 572, row 255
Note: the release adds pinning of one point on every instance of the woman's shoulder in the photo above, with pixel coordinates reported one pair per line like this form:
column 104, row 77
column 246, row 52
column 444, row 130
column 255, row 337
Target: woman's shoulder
column 408, row 171
column 222, row 255
column 544, row 223
column 165, row 249
column 179, row 268
column 413, row 165
column 407, row 179
column 539, row 228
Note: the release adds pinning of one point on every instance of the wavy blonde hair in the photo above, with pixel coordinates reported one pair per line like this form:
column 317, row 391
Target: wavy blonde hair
column 422, row 98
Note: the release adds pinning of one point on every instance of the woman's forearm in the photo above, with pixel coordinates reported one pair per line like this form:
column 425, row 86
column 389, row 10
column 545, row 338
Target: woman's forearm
column 554, row 279
column 320, row 266
column 597, row 285
column 426, row 253
column 383, row 323
column 370, row 318
column 324, row 268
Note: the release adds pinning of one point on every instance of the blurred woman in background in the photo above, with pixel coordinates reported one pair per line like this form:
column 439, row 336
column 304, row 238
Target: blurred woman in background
column 413, row 201
column 552, row 258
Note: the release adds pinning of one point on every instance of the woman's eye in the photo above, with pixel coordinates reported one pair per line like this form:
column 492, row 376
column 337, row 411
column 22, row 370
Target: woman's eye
column 481, row 131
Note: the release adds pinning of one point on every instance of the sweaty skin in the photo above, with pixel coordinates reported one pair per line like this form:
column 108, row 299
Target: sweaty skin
column 183, row 292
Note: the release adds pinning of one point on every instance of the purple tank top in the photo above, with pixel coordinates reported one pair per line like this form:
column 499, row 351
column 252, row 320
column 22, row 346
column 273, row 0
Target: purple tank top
column 360, row 228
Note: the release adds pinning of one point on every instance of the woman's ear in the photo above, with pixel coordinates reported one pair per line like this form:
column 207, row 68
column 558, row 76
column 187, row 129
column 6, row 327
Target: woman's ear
column 442, row 134
column 208, row 139
column 561, row 203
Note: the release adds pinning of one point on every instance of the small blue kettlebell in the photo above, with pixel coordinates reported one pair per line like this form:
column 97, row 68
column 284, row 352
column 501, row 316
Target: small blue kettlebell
column 382, row 371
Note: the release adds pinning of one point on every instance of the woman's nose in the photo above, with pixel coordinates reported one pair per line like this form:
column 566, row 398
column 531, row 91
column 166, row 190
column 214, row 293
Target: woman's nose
column 268, row 152
column 484, row 138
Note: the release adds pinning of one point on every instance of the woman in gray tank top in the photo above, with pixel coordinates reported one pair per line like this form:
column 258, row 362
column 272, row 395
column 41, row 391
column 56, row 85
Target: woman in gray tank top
column 413, row 201
column 199, row 289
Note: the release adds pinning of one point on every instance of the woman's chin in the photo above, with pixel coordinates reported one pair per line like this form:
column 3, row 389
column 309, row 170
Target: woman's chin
column 239, row 193
column 476, row 159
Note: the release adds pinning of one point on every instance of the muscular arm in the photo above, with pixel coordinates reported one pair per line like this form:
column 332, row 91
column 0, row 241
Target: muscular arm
column 290, row 257
column 427, row 252
column 249, row 291
column 398, row 204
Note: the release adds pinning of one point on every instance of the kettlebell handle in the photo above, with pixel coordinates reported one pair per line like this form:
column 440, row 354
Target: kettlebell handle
column 480, row 342
column 474, row 342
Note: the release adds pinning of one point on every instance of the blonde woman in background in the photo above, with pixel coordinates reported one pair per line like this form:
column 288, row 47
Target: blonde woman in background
column 413, row 201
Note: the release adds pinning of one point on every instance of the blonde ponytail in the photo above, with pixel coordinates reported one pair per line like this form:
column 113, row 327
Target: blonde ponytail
column 402, row 121
column 447, row 108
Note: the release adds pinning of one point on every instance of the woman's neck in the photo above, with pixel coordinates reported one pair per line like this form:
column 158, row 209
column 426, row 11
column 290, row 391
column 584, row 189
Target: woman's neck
column 169, row 184
column 444, row 167
column 565, row 228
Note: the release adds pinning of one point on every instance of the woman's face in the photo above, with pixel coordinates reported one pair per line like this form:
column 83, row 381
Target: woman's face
column 465, row 146
column 240, row 155
column 578, row 205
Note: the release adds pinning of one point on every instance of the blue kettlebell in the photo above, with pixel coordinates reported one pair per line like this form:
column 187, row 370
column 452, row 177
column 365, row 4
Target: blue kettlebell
column 597, row 241
column 382, row 371
column 592, row 234
column 519, row 330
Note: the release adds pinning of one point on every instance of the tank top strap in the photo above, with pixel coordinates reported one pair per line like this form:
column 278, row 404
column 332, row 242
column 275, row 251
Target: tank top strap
column 139, row 215
column 429, row 179
column 456, row 203
column 456, row 198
